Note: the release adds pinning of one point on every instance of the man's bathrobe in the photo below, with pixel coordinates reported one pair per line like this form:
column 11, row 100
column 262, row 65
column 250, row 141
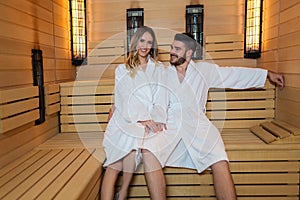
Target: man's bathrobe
column 139, row 98
column 198, row 143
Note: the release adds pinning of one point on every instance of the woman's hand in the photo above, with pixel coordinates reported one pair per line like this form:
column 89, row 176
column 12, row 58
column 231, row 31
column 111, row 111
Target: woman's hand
column 111, row 112
column 155, row 127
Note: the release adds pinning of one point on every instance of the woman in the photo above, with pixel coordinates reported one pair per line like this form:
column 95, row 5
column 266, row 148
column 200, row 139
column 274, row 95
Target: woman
column 135, row 131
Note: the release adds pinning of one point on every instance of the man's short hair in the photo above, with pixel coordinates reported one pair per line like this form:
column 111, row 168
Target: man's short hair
column 187, row 39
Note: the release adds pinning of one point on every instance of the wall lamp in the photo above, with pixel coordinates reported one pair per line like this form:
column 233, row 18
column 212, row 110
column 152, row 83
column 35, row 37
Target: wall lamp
column 253, row 28
column 78, row 31
column 194, row 26
column 135, row 20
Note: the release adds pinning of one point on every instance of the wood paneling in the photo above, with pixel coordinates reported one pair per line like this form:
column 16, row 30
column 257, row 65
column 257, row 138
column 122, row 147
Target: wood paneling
column 107, row 18
column 25, row 25
column 281, row 50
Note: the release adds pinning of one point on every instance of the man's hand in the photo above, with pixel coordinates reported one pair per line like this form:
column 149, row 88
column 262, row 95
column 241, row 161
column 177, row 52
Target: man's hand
column 277, row 79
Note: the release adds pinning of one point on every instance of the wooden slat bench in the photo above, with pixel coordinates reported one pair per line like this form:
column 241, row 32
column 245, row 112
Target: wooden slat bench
column 260, row 171
column 61, row 168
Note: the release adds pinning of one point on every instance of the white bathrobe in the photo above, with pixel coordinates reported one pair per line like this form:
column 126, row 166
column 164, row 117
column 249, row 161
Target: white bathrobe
column 198, row 143
column 141, row 98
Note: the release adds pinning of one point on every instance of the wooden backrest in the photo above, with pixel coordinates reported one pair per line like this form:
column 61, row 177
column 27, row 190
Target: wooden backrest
column 85, row 106
column 18, row 107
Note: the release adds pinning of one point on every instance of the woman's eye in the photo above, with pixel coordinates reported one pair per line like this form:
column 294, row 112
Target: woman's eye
column 142, row 40
column 150, row 42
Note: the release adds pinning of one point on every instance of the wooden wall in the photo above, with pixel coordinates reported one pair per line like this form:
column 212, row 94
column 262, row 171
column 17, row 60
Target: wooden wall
column 281, row 49
column 107, row 17
column 107, row 20
column 28, row 24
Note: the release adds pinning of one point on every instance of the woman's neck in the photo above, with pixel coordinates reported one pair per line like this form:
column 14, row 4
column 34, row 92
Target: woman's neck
column 143, row 62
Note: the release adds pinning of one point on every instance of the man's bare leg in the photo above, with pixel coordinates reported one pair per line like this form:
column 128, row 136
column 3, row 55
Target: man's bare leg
column 154, row 176
column 223, row 182
column 109, row 181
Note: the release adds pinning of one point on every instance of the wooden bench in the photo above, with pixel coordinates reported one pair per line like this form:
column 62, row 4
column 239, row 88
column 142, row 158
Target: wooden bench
column 260, row 170
column 66, row 169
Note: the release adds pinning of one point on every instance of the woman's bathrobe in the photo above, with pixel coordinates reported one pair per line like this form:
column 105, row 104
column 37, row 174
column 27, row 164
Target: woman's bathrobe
column 198, row 143
column 143, row 97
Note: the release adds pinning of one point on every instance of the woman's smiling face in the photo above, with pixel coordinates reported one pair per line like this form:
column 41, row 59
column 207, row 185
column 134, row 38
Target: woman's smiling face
column 144, row 45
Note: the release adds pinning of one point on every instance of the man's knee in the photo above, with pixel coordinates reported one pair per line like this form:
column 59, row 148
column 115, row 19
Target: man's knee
column 222, row 165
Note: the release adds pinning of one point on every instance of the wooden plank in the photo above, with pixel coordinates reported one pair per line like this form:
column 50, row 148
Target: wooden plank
column 255, row 104
column 10, row 109
column 264, row 155
column 87, row 90
column 240, row 114
column 288, row 127
column 112, row 51
column 236, row 123
column 206, row 178
column 17, row 94
column 275, row 130
column 52, row 88
column 11, row 166
column 232, row 95
column 51, row 99
column 84, row 118
column 265, row 166
column 37, row 175
column 88, row 173
column 263, row 134
column 54, row 188
column 18, row 120
column 224, row 54
column 84, row 109
column 223, row 38
column 87, row 100
column 268, row 190
column 174, row 191
column 224, row 46
column 25, row 173
column 204, row 190
column 71, row 128
column 51, row 176
column 54, row 108
column 93, row 60
column 87, row 83
column 106, row 43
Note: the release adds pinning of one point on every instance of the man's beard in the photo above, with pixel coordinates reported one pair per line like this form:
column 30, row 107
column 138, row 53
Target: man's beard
column 179, row 61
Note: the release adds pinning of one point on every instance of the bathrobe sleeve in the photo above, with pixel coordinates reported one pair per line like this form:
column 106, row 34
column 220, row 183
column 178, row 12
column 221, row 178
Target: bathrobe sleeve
column 235, row 77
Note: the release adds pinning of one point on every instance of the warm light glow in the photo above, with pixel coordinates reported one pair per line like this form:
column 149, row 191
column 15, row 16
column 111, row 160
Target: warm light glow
column 78, row 30
column 253, row 28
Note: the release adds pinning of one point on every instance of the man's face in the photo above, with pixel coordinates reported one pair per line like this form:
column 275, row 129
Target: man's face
column 177, row 53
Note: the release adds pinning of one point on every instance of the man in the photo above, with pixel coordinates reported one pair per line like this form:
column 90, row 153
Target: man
column 198, row 144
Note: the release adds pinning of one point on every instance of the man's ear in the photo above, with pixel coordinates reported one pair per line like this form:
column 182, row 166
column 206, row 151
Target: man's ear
column 189, row 53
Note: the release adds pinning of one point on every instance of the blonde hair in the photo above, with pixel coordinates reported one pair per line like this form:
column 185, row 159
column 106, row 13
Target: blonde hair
column 132, row 61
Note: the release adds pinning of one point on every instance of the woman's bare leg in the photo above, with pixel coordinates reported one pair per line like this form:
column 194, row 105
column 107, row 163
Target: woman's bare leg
column 109, row 180
column 154, row 176
column 128, row 169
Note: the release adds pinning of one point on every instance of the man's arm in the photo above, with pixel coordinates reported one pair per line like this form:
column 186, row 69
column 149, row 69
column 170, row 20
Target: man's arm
column 277, row 79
